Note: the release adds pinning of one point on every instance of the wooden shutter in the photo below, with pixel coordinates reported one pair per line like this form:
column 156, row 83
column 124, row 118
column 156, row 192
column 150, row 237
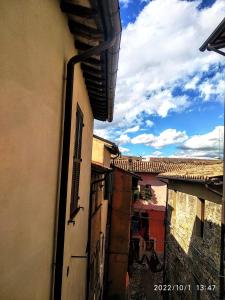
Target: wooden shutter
column 76, row 162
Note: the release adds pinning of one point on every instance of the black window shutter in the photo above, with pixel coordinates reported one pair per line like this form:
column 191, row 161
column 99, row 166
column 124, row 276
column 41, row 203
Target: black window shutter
column 76, row 162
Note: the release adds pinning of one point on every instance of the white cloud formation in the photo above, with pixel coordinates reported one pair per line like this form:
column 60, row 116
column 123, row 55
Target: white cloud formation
column 132, row 129
column 191, row 85
column 149, row 123
column 156, row 153
column 160, row 50
column 213, row 88
column 208, row 145
column 123, row 139
column 125, row 3
column 167, row 137
column 102, row 132
column 210, row 141
column 124, row 150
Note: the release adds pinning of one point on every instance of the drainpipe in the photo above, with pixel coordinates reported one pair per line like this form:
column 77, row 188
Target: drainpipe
column 89, row 230
column 65, row 158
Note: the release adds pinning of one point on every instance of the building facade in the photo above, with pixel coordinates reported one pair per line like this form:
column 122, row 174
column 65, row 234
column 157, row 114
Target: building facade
column 194, row 237
column 49, row 100
column 100, row 197
column 119, row 234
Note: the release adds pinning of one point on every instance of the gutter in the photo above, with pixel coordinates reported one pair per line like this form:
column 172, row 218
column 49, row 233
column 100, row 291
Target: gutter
column 65, row 157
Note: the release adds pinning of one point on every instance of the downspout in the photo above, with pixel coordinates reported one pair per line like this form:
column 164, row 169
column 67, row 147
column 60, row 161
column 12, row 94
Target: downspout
column 65, row 158
column 89, row 230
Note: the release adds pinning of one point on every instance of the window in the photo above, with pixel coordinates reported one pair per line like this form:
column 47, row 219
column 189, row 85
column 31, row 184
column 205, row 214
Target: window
column 108, row 186
column 200, row 215
column 76, row 162
column 145, row 192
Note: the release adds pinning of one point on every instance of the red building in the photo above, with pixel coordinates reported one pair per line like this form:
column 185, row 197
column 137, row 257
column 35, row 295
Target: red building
column 118, row 236
column 149, row 206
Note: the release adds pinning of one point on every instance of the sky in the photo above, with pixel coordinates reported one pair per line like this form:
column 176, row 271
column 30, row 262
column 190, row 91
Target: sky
column 169, row 99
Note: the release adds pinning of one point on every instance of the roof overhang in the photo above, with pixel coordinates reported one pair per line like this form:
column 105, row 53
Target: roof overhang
column 216, row 41
column 91, row 22
column 112, row 147
column 99, row 168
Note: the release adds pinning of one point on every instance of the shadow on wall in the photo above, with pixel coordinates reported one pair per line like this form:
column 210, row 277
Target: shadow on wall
column 192, row 269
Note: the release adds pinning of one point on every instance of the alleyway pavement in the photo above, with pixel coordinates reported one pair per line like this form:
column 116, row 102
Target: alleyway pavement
column 142, row 283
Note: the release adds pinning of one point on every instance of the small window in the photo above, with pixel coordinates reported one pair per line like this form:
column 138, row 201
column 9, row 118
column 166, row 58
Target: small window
column 76, row 162
column 145, row 192
column 108, row 186
column 200, row 217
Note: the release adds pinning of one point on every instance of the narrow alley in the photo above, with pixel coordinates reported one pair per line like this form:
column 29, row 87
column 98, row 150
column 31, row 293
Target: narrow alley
column 142, row 283
column 111, row 145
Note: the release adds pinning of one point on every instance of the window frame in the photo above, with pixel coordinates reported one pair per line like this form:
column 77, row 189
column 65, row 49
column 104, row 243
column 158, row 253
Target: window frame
column 74, row 198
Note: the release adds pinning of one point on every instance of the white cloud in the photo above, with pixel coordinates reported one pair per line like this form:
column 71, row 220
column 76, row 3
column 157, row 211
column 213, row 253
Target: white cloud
column 196, row 154
column 191, row 85
column 103, row 132
column 213, row 88
column 156, row 153
column 124, row 150
column 125, row 3
column 149, row 123
column 132, row 129
column 211, row 141
column 208, row 145
column 159, row 51
column 123, row 139
column 167, row 137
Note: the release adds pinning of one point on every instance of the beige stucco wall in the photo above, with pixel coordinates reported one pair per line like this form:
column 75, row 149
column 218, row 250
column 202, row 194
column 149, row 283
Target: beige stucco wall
column 76, row 236
column 35, row 45
column 100, row 153
column 102, row 156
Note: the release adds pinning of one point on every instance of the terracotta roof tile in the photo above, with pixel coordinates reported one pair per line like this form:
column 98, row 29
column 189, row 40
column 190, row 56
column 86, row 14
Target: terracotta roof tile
column 161, row 165
column 197, row 172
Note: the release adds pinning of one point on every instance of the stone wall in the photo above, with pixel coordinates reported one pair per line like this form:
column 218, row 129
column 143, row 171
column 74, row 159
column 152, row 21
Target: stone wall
column 192, row 259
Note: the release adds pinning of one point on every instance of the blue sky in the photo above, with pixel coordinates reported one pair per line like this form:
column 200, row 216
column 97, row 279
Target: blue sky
column 169, row 97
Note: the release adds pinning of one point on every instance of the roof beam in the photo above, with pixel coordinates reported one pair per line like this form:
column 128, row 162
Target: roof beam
column 95, row 93
column 93, row 61
column 95, row 82
column 95, row 87
column 83, row 46
column 98, row 99
column 78, row 10
column 91, row 70
column 85, row 31
column 93, row 76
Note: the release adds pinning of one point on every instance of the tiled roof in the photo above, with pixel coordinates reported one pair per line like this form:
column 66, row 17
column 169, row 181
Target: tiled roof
column 202, row 172
column 161, row 165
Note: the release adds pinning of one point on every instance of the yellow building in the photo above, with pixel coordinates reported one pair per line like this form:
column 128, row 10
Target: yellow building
column 100, row 199
column 57, row 74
